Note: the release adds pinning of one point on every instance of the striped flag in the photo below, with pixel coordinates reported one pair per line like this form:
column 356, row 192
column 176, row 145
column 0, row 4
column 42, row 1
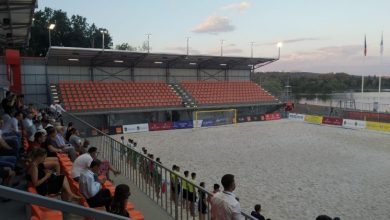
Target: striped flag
column 382, row 45
column 365, row 46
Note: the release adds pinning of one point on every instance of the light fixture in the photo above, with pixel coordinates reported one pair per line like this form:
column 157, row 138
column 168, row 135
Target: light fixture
column 222, row 64
column 73, row 59
column 52, row 26
column 279, row 45
column 193, row 63
column 158, row 62
column 250, row 65
column 118, row 61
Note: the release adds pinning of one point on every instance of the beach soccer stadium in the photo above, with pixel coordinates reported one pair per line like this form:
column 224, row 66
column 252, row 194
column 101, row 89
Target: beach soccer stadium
column 202, row 113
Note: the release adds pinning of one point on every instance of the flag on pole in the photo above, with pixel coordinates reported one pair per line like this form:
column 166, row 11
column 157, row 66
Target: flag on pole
column 382, row 45
column 365, row 46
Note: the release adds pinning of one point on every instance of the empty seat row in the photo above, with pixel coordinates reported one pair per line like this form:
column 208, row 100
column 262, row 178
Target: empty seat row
column 231, row 92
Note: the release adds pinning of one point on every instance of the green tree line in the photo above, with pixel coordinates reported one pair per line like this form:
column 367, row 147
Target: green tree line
column 69, row 31
column 314, row 83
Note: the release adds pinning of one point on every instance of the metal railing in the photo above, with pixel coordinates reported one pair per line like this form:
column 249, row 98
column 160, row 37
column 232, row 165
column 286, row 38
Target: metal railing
column 152, row 178
column 66, row 208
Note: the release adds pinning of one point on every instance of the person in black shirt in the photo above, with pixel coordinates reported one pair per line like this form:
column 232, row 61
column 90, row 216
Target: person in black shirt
column 256, row 213
column 119, row 202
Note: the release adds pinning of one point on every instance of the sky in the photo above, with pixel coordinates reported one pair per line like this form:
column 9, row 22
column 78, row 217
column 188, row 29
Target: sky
column 318, row 36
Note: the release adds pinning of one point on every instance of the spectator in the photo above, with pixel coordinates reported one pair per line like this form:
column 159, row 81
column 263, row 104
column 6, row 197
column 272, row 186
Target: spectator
column 173, row 178
column 256, row 212
column 123, row 140
column 85, row 147
column 9, row 146
column 215, row 190
column 45, row 181
column 53, row 148
column 192, row 194
column 83, row 162
column 91, row 187
column 57, row 109
column 29, row 126
column 184, row 184
column 67, row 135
column 7, row 175
column 75, row 139
column 119, row 202
column 130, row 143
column 224, row 204
column 202, row 205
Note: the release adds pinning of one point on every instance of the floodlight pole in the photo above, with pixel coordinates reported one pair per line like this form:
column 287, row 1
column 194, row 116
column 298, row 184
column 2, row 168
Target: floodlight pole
column 252, row 43
column 222, row 47
column 103, row 32
column 188, row 45
column 148, row 42
column 49, row 37
column 50, row 27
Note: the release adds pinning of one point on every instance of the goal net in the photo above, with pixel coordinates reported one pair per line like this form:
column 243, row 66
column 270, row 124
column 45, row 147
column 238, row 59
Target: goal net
column 215, row 118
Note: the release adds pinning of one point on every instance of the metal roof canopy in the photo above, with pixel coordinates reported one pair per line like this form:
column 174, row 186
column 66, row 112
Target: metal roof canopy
column 72, row 56
column 16, row 19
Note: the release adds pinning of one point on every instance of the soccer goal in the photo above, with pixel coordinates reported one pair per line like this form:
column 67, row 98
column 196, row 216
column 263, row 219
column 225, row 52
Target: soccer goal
column 215, row 118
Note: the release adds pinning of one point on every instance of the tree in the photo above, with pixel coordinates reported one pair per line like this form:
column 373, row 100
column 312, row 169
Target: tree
column 69, row 32
column 125, row 46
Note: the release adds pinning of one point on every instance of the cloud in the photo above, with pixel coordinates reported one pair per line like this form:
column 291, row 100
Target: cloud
column 182, row 50
column 291, row 41
column 344, row 58
column 237, row 6
column 214, row 25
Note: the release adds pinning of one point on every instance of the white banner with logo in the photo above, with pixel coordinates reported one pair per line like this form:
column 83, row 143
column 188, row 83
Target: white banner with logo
column 197, row 124
column 355, row 124
column 296, row 117
column 135, row 128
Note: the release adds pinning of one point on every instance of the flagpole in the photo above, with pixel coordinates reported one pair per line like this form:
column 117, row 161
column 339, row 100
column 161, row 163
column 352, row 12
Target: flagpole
column 364, row 61
column 380, row 76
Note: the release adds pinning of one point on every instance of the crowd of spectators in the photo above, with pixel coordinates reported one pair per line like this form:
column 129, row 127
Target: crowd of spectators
column 30, row 141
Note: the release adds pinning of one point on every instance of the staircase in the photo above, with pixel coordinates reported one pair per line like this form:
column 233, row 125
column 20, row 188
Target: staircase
column 188, row 100
column 54, row 93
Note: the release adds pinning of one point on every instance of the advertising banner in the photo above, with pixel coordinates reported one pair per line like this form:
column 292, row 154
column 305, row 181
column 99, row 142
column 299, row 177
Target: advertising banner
column 354, row 124
column 272, row 116
column 183, row 124
column 332, row 121
column 159, row 126
column 378, row 126
column 241, row 119
column 313, row 119
column 197, row 124
column 296, row 117
column 135, row 128
column 255, row 117
column 208, row 122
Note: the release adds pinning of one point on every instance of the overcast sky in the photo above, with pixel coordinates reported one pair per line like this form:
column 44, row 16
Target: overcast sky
column 318, row 35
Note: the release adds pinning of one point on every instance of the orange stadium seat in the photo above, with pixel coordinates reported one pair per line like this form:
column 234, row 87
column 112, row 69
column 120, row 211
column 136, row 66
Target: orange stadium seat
column 231, row 92
column 108, row 95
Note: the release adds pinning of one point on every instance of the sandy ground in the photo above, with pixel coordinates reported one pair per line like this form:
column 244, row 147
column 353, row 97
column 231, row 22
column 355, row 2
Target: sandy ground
column 295, row 170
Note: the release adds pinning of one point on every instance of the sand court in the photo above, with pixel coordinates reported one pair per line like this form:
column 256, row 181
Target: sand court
column 295, row 170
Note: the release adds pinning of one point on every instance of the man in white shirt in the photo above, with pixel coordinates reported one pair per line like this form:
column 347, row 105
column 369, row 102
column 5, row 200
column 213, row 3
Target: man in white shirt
column 224, row 204
column 82, row 162
column 91, row 187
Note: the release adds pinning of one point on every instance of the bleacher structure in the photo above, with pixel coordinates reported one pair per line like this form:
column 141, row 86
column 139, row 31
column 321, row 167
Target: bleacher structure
column 89, row 96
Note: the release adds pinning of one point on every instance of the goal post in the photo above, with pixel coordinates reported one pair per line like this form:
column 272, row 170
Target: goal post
column 209, row 118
